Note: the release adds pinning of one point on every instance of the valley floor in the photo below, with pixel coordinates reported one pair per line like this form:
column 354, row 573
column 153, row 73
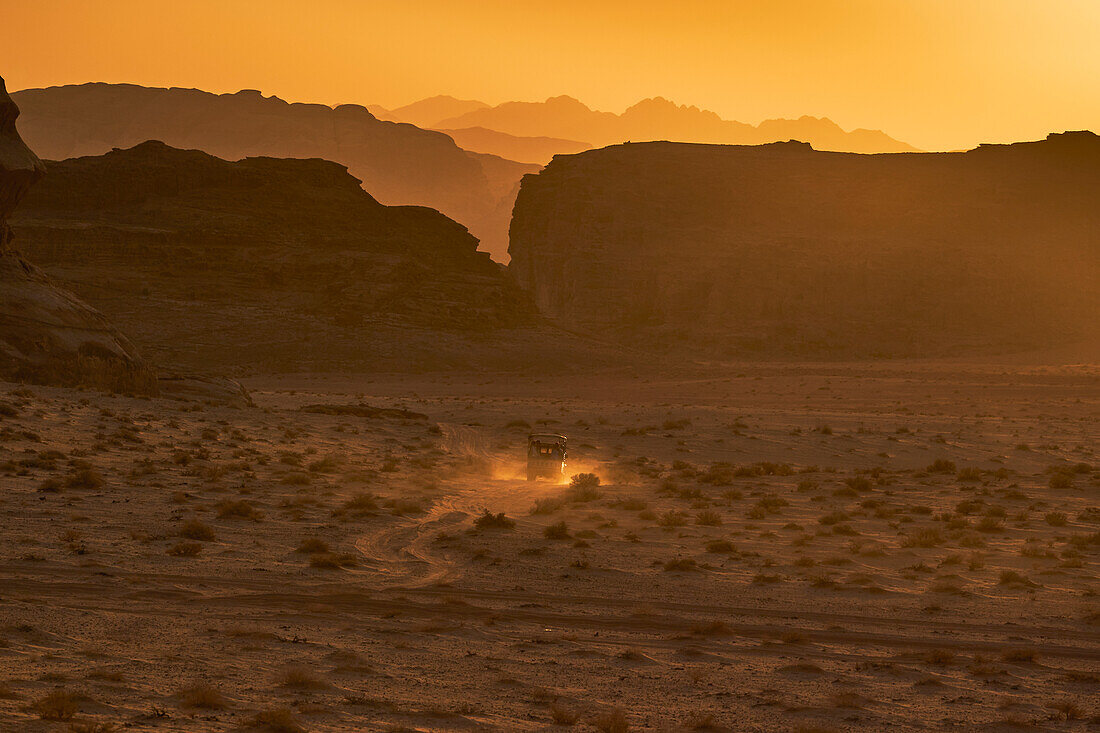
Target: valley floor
column 904, row 546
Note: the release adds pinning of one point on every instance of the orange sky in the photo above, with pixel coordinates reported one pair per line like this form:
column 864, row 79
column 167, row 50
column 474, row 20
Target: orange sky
column 939, row 74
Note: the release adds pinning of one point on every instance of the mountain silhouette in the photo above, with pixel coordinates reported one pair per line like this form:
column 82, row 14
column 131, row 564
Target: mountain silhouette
column 659, row 119
column 537, row 150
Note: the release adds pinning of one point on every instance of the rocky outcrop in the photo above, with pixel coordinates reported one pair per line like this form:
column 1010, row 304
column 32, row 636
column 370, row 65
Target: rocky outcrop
column 47, row 335
column 781, row 249
column 265, row 264
column 398, row 163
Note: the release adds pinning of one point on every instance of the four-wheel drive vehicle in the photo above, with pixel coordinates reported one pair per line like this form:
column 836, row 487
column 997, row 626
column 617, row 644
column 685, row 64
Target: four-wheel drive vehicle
column 546, row 456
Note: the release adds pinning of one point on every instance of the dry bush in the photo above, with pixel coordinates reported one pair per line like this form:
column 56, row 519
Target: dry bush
column 84, row 478
column 91, row 726
column 1019, row 655
column 276, row 720
column 708, row 518
column 193, row 529
column 583, row 487
column 681, row 565
column 720, row 546
column 358, row 506
column 312, row 545
column 941, row 465
column 202, row 695
column 556, row 531
column 1011, row 577
column 833, row 517
column 562, row 715
column 301, row 678
column 238, row 509
column 1056, row 519
column 332, row 560
column 58, row 705
column 488, row 520
column 328, row 464
column 672, row 518
column 927, row 537
column 184, row 549
column 613, row 721
column 547, row 505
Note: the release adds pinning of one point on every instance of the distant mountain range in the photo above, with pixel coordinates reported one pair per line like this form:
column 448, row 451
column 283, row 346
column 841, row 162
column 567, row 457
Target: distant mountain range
column 468, row 167
column 574, row 124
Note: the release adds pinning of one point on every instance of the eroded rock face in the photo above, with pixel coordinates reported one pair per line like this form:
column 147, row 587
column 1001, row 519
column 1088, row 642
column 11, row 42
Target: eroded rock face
column 47, row 335
column 264, row 264
column 781, row 249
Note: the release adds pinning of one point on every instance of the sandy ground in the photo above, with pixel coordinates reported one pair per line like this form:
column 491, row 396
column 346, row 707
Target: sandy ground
column 905, row 546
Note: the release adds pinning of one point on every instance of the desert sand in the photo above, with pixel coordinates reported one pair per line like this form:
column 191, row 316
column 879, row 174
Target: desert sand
column 817, row 547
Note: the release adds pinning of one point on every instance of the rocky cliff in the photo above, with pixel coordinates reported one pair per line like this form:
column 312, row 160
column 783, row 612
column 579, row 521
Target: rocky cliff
column 398, row 163
column 47, row 335
column 781, row 249
column 263, row 264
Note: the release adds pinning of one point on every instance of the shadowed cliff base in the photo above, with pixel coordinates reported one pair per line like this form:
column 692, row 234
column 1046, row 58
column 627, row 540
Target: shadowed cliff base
column 782, row 250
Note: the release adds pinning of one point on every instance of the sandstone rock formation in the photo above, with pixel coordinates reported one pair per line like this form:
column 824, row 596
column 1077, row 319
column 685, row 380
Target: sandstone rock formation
column 781, row 249
column 398, row 163
column 47, row 335
column 265, row 264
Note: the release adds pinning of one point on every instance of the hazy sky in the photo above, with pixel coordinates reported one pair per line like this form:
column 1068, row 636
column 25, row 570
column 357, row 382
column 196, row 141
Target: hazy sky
column 939, row 74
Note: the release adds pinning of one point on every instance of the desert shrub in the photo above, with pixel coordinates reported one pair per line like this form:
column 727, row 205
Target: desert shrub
column 301, row 678
column 57, row 705
column 562, row 715
column 488, row 520
column 547, row 505
column 1011, row 577
column 202, row 695
column 927, row 537
column 990, row 524
column 358, row 506
column 613, row 721
column 193, row 529
column 941, row 465
column 185, row 549
column 311, row 545
column 295, row 478
column 672, row 518
column 858, row 483
column 1056, row 519
column 833, row 517
column 1019, row 655
column 328, row 464
column 720, row 546
column 1061, row 481
column 681, row 565
column 583, row 487
column 238, row 509
column 84, row 478
column 969, row 475
column 277, row 720
column 556, row 531
column 708, row 518
column 332, row 560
